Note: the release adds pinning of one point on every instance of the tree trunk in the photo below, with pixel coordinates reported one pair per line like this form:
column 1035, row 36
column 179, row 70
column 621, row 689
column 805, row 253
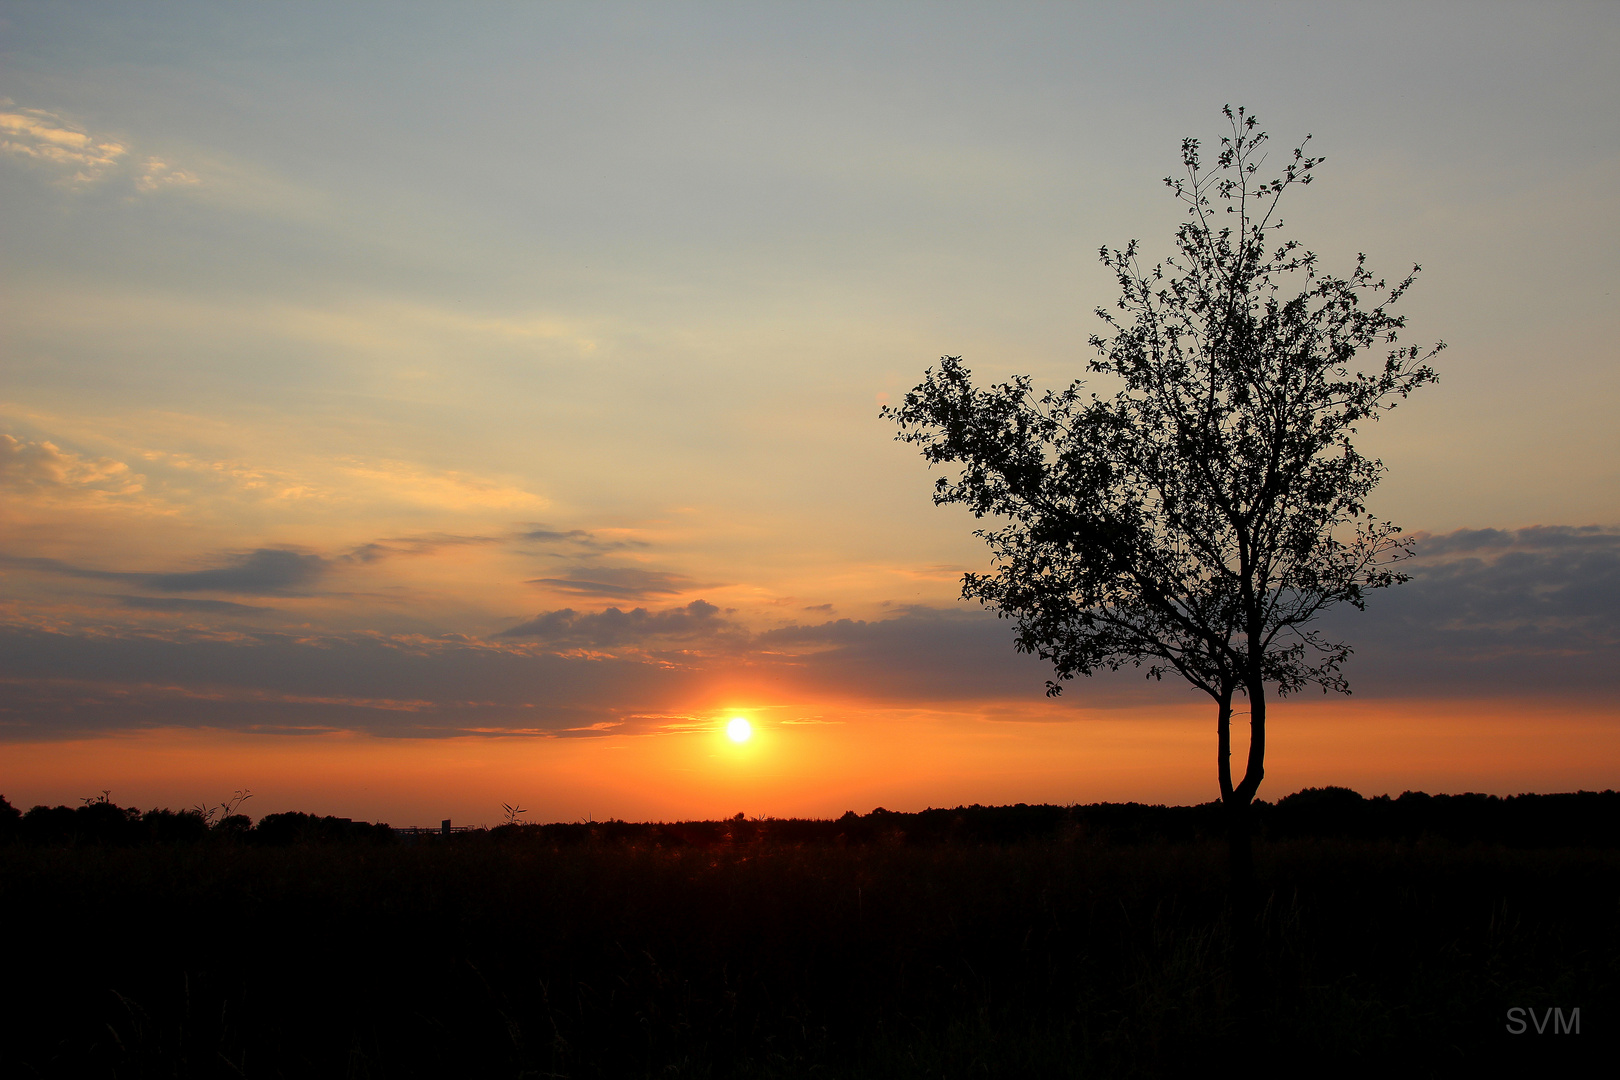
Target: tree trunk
column 1240, row 864
column 1240, row 855
column 1255, row 769
column 1223, row 744
column 1246, row 976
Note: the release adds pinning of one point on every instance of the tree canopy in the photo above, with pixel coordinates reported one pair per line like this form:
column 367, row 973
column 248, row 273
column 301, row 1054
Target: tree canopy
column 1198, row 518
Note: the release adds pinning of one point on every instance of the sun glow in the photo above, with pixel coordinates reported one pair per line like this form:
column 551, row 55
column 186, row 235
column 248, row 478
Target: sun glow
column 739, row 730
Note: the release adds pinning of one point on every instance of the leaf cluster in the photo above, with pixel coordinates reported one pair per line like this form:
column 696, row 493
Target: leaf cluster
column 1199, row 518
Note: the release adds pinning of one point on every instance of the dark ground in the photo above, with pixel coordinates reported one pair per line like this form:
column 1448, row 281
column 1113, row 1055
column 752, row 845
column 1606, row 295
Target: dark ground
column 1014, row 941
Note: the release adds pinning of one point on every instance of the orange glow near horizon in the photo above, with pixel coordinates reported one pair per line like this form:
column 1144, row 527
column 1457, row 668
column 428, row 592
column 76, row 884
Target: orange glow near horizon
column 903, row 759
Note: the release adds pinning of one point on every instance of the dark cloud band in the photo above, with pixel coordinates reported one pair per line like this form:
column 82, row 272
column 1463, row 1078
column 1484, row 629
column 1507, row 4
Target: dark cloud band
column 1530, row 614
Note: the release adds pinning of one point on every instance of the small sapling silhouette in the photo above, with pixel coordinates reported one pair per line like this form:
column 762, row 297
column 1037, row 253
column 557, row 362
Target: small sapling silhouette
column 227, row 809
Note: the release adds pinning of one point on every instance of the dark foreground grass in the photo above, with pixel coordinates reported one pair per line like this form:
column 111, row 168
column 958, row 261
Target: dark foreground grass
column 514, row 956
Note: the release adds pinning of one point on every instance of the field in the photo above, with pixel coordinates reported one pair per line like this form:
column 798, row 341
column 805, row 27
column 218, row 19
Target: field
column 1020, row 941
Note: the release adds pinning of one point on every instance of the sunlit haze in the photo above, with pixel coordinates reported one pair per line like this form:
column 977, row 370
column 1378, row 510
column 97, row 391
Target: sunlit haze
column 406, row 410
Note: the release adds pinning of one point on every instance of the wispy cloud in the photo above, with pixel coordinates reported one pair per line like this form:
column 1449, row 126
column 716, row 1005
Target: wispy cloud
column 45, row 137
column 616, row 583
column 391, row 547
column 444, row 489
column 157, row 174
column 79, row 159
column 310, row 481
column 579, row 541
column 44, row 466
column 264, row 572
column 177, row 605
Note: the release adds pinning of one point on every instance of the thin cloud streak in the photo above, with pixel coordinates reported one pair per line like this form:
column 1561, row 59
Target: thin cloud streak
column 190, row 607
column 41, row 466
column 265, row 572
column 616, row 583
column 42, row 136
column 579, row 539
column 393, row 547
column 78, row 160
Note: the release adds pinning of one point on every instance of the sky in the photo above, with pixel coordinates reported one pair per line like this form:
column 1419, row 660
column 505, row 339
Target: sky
column 407, row 409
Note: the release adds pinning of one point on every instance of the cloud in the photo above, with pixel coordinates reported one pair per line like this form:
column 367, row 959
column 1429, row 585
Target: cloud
column 579, row 539
column 265, row 572
column 553, row 676
column 1533, row 610
column 611, row 628
column 1463, row 540
column 921, row 654
column 344, row 483
column 46, row 138
column 43, row 466
column 1561, row 584
column 78, row 159
column 157, row 175
column 622, row 583
column 62, row 685
column 198, row 607
column 403, row 482
column 389, row 547
column 1527, row 612
column 1430, row 548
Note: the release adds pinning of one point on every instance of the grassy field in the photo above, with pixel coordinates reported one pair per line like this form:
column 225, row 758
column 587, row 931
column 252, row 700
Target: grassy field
column 737, row 950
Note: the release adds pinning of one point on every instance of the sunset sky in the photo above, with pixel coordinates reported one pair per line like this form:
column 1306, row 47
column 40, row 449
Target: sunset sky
column 408, row 409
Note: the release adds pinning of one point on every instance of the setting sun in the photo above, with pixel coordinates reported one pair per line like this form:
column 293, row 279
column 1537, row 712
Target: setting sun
column 739, row 729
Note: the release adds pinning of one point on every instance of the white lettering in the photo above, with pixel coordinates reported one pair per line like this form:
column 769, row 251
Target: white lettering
column 1519, row 1019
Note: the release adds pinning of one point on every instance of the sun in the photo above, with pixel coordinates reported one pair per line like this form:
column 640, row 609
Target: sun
column 739, row 730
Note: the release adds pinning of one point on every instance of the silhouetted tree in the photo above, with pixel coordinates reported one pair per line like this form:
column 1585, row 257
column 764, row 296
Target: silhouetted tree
column 1200, row 517
column 164, row 826
column 10, row 819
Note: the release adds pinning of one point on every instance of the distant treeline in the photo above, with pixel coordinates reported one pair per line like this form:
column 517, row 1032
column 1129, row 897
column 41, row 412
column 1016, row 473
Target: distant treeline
column 1577, row 819
column 103, row 822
